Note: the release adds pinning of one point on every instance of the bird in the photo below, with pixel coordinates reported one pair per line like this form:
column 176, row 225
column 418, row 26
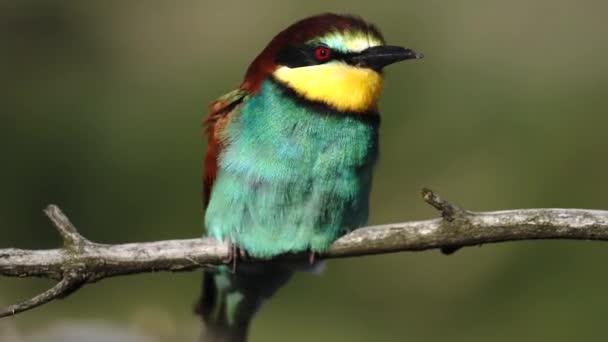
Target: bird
column 290, row 158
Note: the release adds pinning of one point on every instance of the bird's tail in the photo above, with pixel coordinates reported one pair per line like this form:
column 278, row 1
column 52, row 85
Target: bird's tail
column 230, row 299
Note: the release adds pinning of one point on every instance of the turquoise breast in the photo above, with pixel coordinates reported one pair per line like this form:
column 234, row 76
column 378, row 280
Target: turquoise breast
column 293, row 176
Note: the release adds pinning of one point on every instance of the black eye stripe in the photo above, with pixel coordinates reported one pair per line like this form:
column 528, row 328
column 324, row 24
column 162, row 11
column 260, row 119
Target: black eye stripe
column 295, row 57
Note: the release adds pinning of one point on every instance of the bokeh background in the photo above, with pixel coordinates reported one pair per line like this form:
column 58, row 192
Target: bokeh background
column 100, row 111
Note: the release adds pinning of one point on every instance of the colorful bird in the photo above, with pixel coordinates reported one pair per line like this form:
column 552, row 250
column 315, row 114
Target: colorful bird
column 290, row 157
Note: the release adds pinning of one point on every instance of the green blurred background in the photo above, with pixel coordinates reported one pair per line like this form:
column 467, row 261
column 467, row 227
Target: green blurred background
column 101, row 104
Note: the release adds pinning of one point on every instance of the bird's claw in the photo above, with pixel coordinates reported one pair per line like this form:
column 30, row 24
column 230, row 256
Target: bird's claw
column 236, row 253
column 231, row 257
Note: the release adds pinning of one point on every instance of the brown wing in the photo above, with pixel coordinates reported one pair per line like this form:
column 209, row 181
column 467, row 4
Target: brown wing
column 220, row 112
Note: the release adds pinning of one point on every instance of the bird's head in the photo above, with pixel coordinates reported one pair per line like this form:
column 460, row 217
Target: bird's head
column 333, row 59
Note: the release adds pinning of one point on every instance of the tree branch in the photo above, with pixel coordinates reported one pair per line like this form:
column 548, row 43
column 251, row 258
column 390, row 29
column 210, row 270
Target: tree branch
column 81, row 261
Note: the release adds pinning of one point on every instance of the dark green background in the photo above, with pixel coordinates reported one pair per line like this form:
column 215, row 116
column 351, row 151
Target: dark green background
column 101, row 104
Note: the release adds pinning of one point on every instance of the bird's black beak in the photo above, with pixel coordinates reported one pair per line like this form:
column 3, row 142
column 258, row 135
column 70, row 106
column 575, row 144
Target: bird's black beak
column 377, row 57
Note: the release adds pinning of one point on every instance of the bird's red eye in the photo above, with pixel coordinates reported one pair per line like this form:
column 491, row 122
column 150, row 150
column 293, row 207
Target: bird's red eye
column 322, row 53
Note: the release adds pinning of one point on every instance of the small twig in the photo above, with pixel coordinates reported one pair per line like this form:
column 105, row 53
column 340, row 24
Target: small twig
column 73, row 274
column 60, row 290
column 449, row 212
column 80, row 261
column 69, row 233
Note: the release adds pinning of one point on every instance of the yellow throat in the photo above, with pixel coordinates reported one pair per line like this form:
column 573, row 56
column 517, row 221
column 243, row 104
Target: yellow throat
column 342, row 86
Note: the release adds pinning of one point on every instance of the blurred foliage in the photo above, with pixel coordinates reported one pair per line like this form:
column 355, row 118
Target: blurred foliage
column 101, row 110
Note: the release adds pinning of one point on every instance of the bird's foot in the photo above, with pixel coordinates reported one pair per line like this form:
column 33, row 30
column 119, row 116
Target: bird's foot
column 231, row 258
column 236, row 253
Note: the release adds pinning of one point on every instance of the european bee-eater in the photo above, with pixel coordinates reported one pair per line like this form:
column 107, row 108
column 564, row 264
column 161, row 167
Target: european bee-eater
column 290, row 157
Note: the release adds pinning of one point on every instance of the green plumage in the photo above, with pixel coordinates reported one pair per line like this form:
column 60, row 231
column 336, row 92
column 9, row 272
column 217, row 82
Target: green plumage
column 292, row 177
